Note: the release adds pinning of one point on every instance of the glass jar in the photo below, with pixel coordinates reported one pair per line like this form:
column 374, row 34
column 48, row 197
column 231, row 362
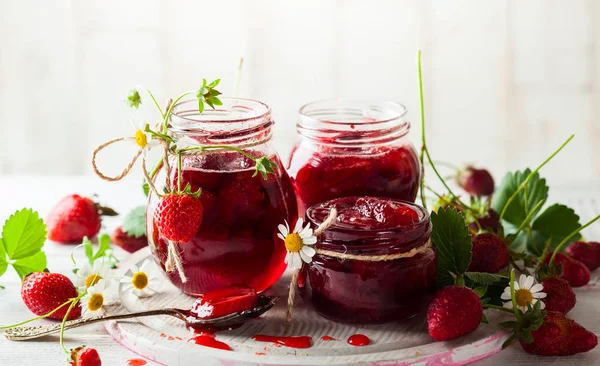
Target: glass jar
column 236, row 243
column 375, row 263
column 353, row 148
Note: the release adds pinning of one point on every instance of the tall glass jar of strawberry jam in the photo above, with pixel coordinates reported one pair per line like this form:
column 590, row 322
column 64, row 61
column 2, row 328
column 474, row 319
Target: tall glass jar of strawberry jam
column 375, row 264
column 236, row 244
column 353, row 148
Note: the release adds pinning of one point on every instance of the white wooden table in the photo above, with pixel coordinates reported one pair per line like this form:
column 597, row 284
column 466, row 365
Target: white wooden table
column 42, row 193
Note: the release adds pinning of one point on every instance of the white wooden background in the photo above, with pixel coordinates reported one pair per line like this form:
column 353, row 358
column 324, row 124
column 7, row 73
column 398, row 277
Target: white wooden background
column 505, row 81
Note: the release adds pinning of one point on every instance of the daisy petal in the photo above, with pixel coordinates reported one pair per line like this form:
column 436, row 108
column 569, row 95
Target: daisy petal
column 280, row 236
column 296, row 261
column 306, row 232
column 305, row 258
column 543, row 306
column 517, row 286
column 536, row 288
column 505, row 296
column 508, row 305
column 308, row 251
column 539, row 295
column 288, row 258
column 528, row 282
column 310, row 240
column 283, row 230
column 298, row 226
column 522, row 280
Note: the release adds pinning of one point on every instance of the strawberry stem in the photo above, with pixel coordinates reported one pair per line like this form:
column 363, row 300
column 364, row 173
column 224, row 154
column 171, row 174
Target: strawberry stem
column 179, row 177
column 64, row 321
column 530, row 176
column 496, row 307
column 37, row 317
column 238, row 75
column 566, row 240
column 423, row 148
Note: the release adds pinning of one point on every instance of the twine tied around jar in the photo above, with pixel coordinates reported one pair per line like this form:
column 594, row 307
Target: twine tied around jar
column 346, row 256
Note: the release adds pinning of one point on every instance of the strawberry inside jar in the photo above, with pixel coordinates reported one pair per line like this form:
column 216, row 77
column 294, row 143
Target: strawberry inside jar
column 236, row 241
column 374, row 264
column 353, row 148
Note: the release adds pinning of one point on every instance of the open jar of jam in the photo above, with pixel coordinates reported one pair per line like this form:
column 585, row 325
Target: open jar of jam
column 374, row 264
column 353, row 148
column 236, row 243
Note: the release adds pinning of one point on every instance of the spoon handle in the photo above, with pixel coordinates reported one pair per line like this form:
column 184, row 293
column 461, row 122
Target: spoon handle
column 32, row 332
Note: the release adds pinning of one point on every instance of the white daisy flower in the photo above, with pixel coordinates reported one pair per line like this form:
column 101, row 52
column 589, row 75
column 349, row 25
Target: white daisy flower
column 142, row 138
column 527, row 292
column 298, row 244
column 95, row 298
column 88, row 275
column 144, row 279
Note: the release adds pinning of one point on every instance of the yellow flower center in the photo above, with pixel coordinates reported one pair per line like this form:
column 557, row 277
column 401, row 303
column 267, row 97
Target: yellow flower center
column 139, row 280
column 293, row 242
column 140, row 139
column 523, row 297
column 92, row 279
column 95, row 302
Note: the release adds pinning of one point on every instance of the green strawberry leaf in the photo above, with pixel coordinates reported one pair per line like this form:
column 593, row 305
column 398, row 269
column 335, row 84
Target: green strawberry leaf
column 88, row 250
column 34, row 263
column 104, row 245
column 451, row 237
column 555, row 223
column 3, row 262
column 23, row 234
column 134, row 223
column 516, row 211
column 486, row 279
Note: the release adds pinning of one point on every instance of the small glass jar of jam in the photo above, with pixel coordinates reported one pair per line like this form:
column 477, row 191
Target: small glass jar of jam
column 236, row 243
column 353, row 148
column 374, row 264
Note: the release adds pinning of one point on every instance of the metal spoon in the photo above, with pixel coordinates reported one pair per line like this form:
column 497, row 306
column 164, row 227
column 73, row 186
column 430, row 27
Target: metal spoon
column 265, row 303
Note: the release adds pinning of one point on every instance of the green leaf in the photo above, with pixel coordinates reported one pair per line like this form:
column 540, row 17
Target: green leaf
column 214, row 83
column 484, row 319
column 134, row 99
column 3, row 262
column 23, row 234
column 555, row 223
column 485, row 279
column 88, row 250
column 516, row 211
column 480, row 291
column 451, row 237
column 146, row 188
column 34, row 263
column 134, row 223
column 104, row 245
column 200, row 106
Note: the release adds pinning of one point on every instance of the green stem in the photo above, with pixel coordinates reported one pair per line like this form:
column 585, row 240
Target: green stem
column 530, row 176
column 423, row 146
column 238, row 75
column 512, row 295
column 37, row 317
column 170, row 110
column 64, row 321
column 528, row 218
column 179, row 177
column 496, row 307
column 156, row 103
column 156, row 168
column 566, row 240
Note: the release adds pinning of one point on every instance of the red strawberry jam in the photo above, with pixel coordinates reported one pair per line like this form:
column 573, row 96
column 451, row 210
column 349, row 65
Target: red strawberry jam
column 363, row 278
column 236, row 243
column 225, row 301
column 353, row 148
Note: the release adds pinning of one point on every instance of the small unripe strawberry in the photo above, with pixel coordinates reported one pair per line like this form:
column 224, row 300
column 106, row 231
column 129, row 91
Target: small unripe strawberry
column 476, row 182
column 560, row 336
column 490, row 253
column 559, row 295
column 587, row 253
column 454, row 312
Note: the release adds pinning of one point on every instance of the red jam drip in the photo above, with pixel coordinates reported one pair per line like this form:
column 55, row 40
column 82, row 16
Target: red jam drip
column 208, row 340
column 136, row 362
column 236, row 243
column 229, row 300
column 327, row 338
column 359, row 340
column 292, row 342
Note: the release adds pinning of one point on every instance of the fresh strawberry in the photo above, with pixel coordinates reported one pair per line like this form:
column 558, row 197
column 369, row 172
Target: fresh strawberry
column 128, row 242
column 454, row 312
column 218, row 303
column 476, row 182
column 490, row 253
column 179, row 216
column 42, row 292
column 75, row 217
column 489, row 222
column 560, row 336
column 85, row 356
column 559, row 295
column 573, row 271
column 587, row 253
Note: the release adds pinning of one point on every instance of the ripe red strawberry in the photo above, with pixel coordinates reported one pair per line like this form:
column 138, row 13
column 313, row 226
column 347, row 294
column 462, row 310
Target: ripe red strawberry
column 454, row 312
column 476, row 182
column 587, row 253
column 232, row 299
column 43, row 292
column 178, row 217
column 85, row 356
column 128, row 242
column 560, row 336
column 559, row 295
column 490, row 253
column 75, row 217
column 573, row 271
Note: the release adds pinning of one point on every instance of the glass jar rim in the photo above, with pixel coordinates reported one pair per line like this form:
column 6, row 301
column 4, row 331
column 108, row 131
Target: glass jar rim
column 381, row 237
column 262, row 111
